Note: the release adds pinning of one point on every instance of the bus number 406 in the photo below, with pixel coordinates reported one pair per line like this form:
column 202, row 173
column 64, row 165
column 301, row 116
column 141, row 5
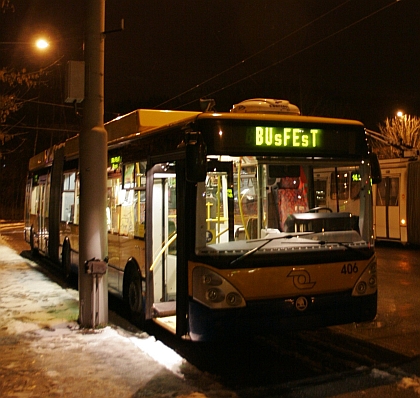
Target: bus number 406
column 349, row 269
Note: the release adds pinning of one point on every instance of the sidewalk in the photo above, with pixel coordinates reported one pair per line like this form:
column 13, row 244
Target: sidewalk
column 45, row 354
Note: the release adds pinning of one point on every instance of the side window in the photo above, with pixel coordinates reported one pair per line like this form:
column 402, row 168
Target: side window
column 68, row 198
column 340, row 185
column 126, row 199
column 355, row 185
column 320, row 192
column 34, row 197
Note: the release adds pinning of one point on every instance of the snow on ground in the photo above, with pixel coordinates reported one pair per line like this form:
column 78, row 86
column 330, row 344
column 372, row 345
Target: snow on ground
column 44, row 353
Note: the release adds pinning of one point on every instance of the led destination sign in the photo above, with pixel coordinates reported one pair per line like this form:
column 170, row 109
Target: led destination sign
column 284, row 138
column 287, row 137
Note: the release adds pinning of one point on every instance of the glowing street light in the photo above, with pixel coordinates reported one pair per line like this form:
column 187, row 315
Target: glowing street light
column 42, row 44
column 400, row 114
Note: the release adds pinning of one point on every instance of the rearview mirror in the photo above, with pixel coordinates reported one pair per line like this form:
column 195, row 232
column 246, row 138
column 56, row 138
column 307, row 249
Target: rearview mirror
column 196, row 157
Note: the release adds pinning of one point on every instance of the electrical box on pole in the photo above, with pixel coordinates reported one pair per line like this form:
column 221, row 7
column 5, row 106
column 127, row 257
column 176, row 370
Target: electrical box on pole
column 75, row 82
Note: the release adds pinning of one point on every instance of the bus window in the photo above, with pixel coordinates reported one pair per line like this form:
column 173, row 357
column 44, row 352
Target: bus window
column 387, row 192
column 68, row 198
column 112, row 212
column 126, row 200
column 394, row 192
column 320, row 193
column 339, row 185
column 355, row 185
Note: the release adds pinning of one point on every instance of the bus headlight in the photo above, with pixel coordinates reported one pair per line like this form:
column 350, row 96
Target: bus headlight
column 215, row 295
column 367, row 283
column 214, row 291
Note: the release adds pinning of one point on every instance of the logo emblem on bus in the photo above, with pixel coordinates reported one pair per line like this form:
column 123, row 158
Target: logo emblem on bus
column 301, row 303
column 301, row 279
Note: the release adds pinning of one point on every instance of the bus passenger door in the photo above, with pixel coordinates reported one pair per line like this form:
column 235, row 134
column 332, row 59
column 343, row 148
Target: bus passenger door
column 387, row 208
column 41, row 217
column 162, row 254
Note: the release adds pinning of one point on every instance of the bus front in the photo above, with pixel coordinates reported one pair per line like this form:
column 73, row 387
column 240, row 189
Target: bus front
column 283, row 226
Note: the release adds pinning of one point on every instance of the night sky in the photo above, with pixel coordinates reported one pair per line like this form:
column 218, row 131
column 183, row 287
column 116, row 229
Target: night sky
column 346, row 58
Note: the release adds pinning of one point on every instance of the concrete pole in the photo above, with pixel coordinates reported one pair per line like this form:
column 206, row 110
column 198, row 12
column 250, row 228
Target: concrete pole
column 93, row 174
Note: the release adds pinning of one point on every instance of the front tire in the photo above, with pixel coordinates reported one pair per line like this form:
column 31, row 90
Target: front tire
column 135, row 297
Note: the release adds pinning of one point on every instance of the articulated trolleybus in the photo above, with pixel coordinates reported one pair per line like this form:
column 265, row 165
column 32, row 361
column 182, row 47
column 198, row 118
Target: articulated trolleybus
column 216, row 223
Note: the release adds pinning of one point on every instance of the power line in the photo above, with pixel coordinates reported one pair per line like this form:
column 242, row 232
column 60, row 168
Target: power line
column 255, row 54
column 284, row 59
column 60, row 130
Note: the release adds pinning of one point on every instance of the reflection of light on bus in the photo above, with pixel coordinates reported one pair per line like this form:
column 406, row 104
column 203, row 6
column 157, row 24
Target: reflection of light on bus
column 222, row 224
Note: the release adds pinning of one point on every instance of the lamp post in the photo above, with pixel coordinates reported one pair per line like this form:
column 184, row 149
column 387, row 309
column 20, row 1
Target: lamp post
column 93, row 239
column 401, row 114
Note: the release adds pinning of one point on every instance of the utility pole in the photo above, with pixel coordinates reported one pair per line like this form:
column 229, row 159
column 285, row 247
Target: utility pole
column 93, row 282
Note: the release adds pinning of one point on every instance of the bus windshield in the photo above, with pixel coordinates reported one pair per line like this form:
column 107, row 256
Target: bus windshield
column 245, row 201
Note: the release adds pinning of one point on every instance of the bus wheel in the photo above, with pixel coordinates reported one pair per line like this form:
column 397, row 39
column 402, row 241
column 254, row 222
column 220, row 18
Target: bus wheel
column 133, row 294
column 32, row 241
column 66, row 257
column 135, row 298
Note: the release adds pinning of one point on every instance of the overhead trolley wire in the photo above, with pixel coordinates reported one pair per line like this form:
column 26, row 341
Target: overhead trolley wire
column 283, row 59
column 254, row 55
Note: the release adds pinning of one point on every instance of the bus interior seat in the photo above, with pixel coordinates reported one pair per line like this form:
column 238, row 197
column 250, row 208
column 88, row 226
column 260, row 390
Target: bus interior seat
column 251, row 226
column 290, row 199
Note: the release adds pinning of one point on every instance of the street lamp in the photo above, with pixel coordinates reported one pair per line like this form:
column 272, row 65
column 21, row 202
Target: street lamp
column 42, row 44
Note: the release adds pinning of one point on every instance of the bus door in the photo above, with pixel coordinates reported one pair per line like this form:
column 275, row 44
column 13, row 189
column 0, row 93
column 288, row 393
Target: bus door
column 40, row 227
column 217, row 216
column 162, row 259
column 387, row 208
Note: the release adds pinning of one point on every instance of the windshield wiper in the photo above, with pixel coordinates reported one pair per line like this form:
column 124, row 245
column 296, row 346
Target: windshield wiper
column 266, row 241
column 346, row 245
column 319, row 242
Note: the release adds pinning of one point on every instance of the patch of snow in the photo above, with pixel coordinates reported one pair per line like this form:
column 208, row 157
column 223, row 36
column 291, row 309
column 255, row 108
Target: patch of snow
column 160, row 353
column 381, row 374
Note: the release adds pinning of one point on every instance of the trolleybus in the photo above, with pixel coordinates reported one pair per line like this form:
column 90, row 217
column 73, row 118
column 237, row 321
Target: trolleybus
column 221, row 224
column 395, row 200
